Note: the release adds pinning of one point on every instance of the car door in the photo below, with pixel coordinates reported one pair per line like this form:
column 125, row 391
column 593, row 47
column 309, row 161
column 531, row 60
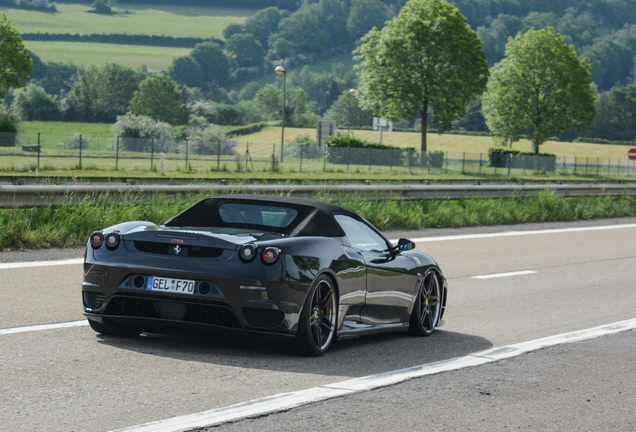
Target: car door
column 390, row 285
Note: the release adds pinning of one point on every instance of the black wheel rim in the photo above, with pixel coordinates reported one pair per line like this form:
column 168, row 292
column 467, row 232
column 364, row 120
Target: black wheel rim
column 429, row 302
column 323, row 315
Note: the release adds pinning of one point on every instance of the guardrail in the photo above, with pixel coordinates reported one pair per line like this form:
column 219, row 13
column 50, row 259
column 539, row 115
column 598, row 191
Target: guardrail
column 32, row 196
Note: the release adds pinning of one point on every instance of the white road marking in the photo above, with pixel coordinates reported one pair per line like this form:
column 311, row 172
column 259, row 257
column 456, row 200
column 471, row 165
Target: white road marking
column 521, row 233
column 286, row 401
column 40, row 327
column 506, row 274
column 41, row 263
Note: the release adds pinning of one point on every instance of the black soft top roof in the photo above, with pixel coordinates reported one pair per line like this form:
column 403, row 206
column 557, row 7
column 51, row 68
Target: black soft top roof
column 315, row 218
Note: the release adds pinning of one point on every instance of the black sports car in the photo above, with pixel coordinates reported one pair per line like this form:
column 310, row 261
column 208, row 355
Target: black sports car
column 302, row 269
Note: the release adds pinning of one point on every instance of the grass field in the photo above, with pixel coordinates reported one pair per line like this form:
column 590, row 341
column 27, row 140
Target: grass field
column 450, row 143
column 97, row 53
column 176, row 21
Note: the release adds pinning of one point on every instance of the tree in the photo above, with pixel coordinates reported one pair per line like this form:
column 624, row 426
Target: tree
column 539, row 90
column 15, row 62
column 366, row 14
column 159, row 99
column 33, row 103
column 116, row 85
column 270, row 100
column 615, row 114
column 213, row 62
column 346, row 111
column 427, row 59
column 247, row 51
column 186, row 70
column 262, row 24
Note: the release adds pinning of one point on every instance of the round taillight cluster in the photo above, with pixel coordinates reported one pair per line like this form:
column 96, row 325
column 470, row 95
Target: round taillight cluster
column 247, row 252
column 269, row 255
column 97, row 239
column 111, row 240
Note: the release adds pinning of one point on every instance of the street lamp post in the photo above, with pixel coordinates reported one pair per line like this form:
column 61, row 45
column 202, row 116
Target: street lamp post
column 352, row 93
column 281, row 71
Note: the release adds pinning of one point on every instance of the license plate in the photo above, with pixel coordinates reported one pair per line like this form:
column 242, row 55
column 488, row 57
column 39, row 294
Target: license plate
column 178, row 286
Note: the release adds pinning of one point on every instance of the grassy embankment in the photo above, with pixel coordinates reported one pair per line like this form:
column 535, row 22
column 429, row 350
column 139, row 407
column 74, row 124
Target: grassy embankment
column 70, row 225
column 176, row 21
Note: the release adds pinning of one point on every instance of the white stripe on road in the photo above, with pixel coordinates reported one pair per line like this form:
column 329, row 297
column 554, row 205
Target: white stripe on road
column 286, row 401
column 522, row 233
column 41, row 263
column 422, row 239
column 507, row 274
column 40, row 327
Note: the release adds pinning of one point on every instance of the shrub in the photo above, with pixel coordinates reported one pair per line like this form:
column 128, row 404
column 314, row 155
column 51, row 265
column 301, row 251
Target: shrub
column 210, row 140
column 501, row 157
column 72, row 142
column 143, row 134
column 305, row 146
column 8, row 127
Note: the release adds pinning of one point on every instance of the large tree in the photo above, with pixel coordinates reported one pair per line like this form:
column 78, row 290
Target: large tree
column 15, row 62
column 425, row 60
column 159, row 99
column 539, row 90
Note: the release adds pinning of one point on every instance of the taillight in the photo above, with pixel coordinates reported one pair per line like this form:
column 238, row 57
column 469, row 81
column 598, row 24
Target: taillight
column 97, row 239
column 112, row 240
column 270, row 255
column 247, row 252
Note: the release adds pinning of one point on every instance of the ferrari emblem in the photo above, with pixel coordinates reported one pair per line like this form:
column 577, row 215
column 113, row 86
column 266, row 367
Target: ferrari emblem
column 177, row 249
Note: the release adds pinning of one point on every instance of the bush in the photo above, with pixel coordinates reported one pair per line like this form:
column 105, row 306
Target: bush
column 143, row 134
column 245, row 130
column 501, row 157
column 436, row 159
column 72, row 142
column 347, row 149
column 210, row 140
column 304, row 146
column 8, row 127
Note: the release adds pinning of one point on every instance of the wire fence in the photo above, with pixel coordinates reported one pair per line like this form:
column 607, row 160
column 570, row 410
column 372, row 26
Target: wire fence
column 20, row 153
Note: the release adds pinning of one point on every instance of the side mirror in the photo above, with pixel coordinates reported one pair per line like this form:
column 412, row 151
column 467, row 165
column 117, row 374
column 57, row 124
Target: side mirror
column 405, row 244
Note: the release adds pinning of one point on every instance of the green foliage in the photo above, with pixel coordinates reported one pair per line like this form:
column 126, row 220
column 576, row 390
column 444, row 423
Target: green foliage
column 366, row 14
column 73, row 142
column 213, row 61
column 15, row 61
column 539, row 90
column 8, row 127
column 427, row 58
column 159, row 99
column 33, row 103
column 210, row 140
column 186, row 70
column 270, row 101
column 615, row 115
column 263, row 24
column 142, row 134
column 247, row 51
column 503, row 158
column 346, row 112
column 245, row 130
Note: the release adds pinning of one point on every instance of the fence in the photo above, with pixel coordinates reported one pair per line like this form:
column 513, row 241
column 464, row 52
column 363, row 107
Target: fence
column 21, row 153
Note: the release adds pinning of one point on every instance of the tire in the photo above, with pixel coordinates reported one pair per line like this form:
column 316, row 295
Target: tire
column 428, row 306
column 318, row 319
column 114, row 329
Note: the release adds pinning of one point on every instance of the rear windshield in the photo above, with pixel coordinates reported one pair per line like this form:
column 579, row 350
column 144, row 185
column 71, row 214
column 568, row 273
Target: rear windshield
column 256, row 214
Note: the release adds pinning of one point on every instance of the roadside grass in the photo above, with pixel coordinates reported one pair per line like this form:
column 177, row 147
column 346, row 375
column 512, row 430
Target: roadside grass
column 71, row 224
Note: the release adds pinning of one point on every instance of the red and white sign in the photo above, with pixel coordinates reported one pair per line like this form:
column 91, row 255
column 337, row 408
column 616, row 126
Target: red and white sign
column 632, row 154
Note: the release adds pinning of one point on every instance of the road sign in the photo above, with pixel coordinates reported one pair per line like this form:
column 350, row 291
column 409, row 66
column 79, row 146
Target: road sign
column 632, row 154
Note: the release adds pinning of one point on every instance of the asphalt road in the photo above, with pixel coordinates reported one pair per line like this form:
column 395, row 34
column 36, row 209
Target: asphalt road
column 558, row 281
